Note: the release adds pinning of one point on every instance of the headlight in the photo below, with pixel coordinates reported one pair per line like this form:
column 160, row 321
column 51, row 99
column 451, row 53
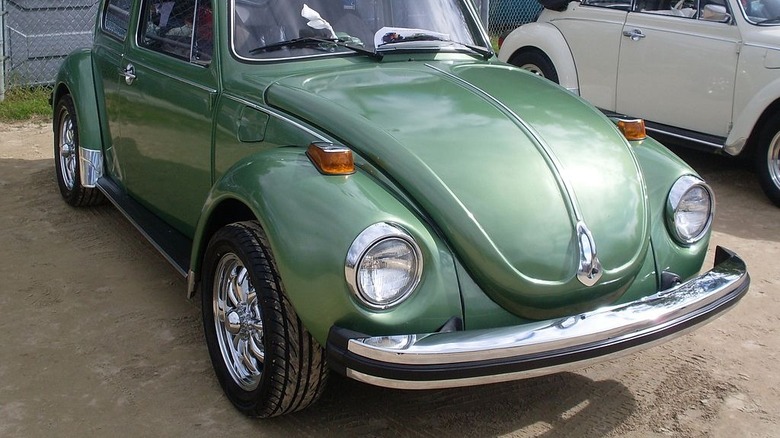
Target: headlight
column 689, row 210
column 383, row 266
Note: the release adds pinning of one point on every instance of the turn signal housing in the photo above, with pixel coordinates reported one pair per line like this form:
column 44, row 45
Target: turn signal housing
column 331, row 159
column 632, row 129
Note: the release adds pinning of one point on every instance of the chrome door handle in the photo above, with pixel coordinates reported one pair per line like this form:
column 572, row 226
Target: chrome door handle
column 635, row 34
column 128, row 73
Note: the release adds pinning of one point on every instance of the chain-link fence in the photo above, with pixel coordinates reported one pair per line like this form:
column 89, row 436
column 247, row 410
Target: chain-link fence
column 38, row 34
column 506, row 15
column 35, row 35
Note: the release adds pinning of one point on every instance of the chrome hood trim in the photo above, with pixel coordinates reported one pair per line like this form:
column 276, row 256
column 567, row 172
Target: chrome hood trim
column 589, row 271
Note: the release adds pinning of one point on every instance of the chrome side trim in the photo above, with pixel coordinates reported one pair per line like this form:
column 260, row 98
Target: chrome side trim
column 90, row 166
column 450, row 359
column 685, row 137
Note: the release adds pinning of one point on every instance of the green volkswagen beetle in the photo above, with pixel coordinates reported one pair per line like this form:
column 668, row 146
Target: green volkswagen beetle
column 360, row 186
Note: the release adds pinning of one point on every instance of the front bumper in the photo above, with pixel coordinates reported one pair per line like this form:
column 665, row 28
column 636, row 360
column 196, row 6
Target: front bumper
column 472, row 357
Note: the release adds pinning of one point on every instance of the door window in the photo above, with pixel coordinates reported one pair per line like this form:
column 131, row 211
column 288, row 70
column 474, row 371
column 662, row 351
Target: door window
column 181, row 28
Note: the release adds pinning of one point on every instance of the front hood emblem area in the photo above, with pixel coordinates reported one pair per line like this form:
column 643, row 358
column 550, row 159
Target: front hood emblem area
column 589, row 271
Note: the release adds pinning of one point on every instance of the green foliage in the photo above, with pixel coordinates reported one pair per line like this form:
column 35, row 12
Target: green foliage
column 494, row 43
column 25, row 103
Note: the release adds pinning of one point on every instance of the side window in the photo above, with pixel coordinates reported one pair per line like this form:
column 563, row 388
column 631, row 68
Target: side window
column 117, row 17
column 715, row 10
column 621, row 5
column 673, row 8
column 181, row 28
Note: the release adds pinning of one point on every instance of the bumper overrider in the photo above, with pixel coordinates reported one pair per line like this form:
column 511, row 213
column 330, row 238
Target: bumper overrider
column 472, row 357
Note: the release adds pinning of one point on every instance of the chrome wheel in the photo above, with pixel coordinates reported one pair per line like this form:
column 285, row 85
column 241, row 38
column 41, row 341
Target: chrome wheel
column 533, row 68
column 767, row 158
column 67, row 150
column 536, row 62
column 239, row 322
column 773, row 160
column 266, row 361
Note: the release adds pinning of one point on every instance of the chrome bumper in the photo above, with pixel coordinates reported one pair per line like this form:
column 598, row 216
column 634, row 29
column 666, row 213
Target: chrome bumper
column 472, row 357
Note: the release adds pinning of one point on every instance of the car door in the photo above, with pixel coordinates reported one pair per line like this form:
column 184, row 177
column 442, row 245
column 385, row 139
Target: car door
column 107, row 53
column 166, row 117
column 592, row 31
column 678, row 66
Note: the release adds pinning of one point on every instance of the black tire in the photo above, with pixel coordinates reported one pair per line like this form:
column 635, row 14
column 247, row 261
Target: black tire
column 536, row 62
column 768, row 158
column 257, row 320
column 66, row 157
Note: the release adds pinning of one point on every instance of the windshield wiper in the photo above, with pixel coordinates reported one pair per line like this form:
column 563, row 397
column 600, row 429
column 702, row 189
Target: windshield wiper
column 769, row 21
column 485, row 53
column 304, row 41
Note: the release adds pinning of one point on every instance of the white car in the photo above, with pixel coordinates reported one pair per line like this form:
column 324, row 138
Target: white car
column 705, row 71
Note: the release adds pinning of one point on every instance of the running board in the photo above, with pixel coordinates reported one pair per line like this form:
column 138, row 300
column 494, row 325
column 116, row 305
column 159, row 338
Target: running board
column 172, row 244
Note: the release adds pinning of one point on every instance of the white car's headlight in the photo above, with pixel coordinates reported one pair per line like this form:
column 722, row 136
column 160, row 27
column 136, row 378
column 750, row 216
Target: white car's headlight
column 383, row 266
column 689, row 209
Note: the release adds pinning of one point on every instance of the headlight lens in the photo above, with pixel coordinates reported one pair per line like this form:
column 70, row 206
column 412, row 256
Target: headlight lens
column 689, row 209
column 383, row 266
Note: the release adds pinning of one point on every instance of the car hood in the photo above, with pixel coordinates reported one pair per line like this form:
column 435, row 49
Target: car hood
column 505, row 164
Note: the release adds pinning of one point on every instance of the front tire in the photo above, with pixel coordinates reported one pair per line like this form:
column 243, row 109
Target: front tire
column 768, row 158
column 536, row 62
column 265, row 360
column 67, row 156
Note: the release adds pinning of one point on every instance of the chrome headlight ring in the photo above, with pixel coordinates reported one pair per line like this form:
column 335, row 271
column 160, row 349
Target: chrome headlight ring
column 383, row 266
column 690, row 207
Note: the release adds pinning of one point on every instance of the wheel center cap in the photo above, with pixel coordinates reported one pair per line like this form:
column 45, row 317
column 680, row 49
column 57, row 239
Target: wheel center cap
column 233, row 323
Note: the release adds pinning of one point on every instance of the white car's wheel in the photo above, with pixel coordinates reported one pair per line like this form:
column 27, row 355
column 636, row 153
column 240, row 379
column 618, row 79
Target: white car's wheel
column 768, row 158
column 536, row 62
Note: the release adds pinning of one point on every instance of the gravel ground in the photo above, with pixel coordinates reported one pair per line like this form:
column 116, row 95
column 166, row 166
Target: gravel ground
column 99, row 340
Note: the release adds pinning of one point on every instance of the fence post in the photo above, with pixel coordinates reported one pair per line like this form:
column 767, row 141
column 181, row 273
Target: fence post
column 2, row 50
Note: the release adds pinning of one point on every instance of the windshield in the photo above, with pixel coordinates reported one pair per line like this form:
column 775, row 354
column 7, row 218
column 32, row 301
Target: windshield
column 262, row 27
column 761, row 12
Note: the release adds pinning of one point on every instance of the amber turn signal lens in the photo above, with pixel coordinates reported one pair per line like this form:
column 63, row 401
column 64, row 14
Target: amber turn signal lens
column 632, row 129
column 331, row 159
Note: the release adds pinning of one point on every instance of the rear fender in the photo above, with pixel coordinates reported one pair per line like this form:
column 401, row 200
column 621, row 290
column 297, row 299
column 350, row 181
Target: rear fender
column 75, row 77
column 310, row 221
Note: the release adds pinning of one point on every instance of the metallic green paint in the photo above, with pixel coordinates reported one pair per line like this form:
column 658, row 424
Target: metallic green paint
column 490, row 211
column 310, row 233
column 75, row 78
column 499, row 200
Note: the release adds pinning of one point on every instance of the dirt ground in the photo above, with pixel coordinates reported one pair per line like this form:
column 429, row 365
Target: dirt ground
column 98, row 339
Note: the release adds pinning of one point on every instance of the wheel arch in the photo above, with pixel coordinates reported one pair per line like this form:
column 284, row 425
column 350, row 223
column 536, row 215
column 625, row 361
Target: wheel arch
column 310, row 221
column 763, row 105
column 75, row 77
column 547, row 39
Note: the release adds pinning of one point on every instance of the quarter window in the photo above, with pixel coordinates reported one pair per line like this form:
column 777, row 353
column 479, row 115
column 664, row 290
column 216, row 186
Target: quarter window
column 181, row 28
column 117, row 17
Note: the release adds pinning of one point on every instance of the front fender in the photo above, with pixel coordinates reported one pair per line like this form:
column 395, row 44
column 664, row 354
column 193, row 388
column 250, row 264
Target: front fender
column 745, row 122
column 661, row 168
column 75, row 77
column 311, row 220
column 548, row 39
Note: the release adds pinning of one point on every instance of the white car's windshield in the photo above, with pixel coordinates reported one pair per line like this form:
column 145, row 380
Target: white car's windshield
column 762, row 12
column 273, row 29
